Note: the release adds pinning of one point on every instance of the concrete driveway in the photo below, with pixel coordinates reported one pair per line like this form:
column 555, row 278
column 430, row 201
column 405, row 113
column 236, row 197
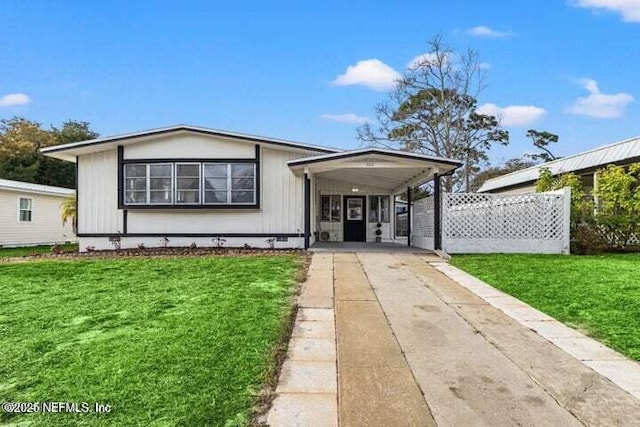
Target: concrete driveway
column 385, row 339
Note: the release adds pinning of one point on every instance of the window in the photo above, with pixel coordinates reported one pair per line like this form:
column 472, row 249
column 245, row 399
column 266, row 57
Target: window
column 242, row 183
column 189, row 183
column 160, row 184
column 229, row 183
column 24, row 209
column 379, row 207
column 330, row 208
column 135, row 177
column 216, row 189
column 148, row 184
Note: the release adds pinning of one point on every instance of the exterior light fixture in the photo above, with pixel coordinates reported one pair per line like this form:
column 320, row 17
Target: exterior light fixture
column 355, row 189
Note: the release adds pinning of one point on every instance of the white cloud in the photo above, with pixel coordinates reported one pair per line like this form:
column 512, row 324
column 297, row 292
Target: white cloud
column 486, row 32
column 14, row 99
column 484, row 65
column 371, row 73
column 427, row 58
column 349, row 118
column 599, row 105
column 513, row 115
column 629, row 9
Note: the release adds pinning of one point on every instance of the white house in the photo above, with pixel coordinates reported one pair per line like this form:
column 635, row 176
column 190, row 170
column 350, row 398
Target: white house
column 194, row 185
column 30, row 214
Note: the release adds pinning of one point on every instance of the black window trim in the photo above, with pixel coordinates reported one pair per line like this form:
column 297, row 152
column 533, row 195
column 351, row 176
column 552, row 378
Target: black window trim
column 232, row 206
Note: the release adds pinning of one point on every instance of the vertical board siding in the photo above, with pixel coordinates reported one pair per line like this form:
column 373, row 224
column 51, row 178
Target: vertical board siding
column 282, row 201
column 45, row 226
column 98, row 193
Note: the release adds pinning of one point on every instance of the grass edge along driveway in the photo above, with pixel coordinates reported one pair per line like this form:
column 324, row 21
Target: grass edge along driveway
column 164, row 341
column 598, row 294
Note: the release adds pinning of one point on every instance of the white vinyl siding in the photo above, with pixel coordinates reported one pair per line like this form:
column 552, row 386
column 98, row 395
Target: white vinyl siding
column 45, row 226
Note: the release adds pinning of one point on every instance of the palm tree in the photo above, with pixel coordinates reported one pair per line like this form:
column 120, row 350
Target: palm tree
column 69, row 211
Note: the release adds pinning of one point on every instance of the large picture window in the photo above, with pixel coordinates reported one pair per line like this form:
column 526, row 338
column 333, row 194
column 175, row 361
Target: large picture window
column 379, row 209
column 189, row 183
column 330, row 208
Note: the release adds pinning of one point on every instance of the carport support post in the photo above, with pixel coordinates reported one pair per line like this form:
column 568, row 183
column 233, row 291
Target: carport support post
column 307, row 210
column 409, row 201
column 437, row 227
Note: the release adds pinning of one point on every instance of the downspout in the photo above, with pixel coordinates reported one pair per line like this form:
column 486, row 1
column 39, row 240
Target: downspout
column 437, row 228
column 307, row 210
column 409, row 202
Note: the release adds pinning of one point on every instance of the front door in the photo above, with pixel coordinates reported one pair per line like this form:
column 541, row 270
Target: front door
column 354, row 219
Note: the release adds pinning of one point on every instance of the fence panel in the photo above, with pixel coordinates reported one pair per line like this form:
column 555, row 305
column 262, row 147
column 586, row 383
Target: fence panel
column 506, row 223
column 423, row 231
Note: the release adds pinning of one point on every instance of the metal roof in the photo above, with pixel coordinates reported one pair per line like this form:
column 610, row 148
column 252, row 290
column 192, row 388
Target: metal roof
column 619, row 152
column 28, row 187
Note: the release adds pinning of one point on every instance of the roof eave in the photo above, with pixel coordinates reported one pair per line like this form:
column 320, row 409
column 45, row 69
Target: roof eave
column 49, row 151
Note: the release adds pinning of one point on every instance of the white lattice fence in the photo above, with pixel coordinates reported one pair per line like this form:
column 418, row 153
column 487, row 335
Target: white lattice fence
column 525, row 223
column 422, row 230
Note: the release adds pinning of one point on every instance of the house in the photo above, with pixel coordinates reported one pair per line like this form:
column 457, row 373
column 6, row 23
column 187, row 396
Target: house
column 30, row 214
column 188, row 184
column 584, row 164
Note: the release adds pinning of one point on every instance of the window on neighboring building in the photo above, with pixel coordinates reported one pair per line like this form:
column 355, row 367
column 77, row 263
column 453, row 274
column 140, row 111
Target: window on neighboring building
column 330, row 208
column 24, row 209
column 190, row 183
column 379, row 208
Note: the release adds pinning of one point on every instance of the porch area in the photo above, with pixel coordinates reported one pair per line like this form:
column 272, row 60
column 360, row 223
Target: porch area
column 351, row 198
column 386, row 247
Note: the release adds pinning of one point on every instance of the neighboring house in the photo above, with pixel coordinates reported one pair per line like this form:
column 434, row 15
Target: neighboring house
column 194, row 185
column 30, row 214
column 584, row 164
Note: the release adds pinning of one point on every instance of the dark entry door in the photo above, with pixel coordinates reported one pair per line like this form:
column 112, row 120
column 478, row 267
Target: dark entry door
column 354, row 219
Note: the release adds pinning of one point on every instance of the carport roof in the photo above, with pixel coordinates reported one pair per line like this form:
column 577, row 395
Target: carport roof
column 386, row 169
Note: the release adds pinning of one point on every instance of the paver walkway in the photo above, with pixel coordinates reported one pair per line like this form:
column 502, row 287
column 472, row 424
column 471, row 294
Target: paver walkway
column 415, row 348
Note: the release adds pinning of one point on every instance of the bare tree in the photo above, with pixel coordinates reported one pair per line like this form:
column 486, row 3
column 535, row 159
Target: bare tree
column 432, row 111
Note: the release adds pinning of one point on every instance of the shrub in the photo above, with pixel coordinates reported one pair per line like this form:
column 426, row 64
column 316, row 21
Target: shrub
column 615, row 222
column 618, row 211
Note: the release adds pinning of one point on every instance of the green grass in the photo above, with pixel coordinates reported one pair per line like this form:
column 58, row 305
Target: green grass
column 163, row 341
column 597, row 294
column 32, row 250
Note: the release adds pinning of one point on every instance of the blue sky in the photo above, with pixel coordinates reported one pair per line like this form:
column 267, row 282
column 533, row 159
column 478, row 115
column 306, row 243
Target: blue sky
column 281, row 68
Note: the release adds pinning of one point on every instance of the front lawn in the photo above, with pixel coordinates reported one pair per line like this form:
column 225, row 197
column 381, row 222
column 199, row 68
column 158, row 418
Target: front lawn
column 597, row 294
column 33, row 250
column 164, row 341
